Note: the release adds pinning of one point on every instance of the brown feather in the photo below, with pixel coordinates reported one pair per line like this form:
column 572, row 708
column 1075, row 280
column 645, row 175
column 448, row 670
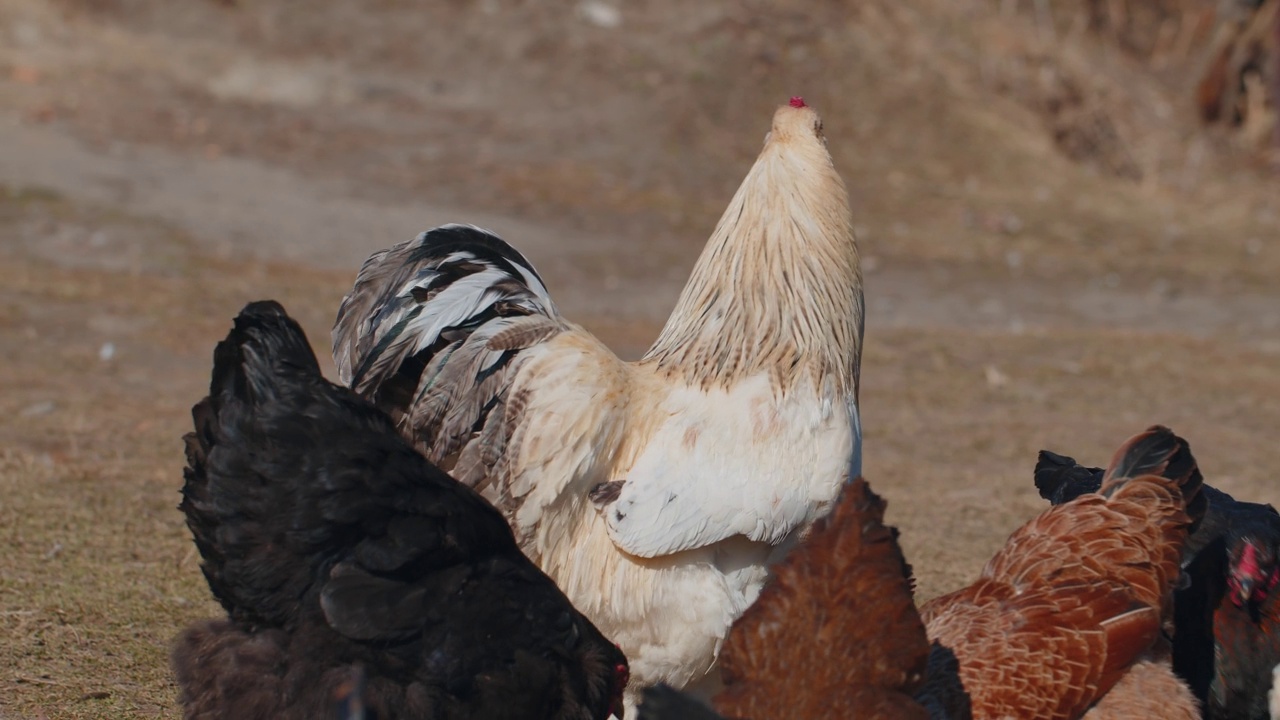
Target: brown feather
column 525, row 334
column 835, row 633
column 1078, row 594
column 1128, row 636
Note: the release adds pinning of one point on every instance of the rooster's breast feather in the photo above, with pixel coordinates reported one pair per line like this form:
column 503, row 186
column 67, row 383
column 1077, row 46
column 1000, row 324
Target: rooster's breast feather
column 745, row 460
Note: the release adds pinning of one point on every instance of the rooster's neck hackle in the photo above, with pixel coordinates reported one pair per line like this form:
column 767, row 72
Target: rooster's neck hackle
column 778, row 287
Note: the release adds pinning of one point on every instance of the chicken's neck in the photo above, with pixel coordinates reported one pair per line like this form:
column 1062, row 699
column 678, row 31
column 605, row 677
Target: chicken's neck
column 778, row 287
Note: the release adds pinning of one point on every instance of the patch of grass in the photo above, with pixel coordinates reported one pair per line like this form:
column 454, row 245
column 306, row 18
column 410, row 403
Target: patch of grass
column 97, row 569
column 98, row 575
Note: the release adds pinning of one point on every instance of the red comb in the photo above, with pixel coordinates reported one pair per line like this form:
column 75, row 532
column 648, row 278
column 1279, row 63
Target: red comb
column 797, row 102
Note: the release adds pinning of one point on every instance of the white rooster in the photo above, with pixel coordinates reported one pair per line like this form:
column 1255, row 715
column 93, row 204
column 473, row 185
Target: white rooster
column 655, row 492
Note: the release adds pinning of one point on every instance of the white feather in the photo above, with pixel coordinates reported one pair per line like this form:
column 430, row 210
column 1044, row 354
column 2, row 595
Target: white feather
column 742, row 461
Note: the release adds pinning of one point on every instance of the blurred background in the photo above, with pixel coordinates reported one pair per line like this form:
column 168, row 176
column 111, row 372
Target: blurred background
column 1069, row 214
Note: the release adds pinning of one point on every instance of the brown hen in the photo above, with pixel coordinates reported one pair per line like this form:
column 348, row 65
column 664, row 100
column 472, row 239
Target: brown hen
column 1077, row 595
column 838, row 614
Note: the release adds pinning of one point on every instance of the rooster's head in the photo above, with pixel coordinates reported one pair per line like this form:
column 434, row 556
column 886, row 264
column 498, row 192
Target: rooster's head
column 796, row 122
column 1254, row 571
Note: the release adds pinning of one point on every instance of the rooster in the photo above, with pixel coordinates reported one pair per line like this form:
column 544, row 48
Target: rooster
column 1079, row 594
column 835, row 633
column 351, row 568
column 1227, row 622
column 653, row 492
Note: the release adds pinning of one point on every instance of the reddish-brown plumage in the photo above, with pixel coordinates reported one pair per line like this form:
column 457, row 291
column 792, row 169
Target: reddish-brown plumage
column 1078, row 594
column 836, row 632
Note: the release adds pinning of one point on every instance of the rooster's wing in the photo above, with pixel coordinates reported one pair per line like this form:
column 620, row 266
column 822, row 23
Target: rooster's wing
column 455, row 335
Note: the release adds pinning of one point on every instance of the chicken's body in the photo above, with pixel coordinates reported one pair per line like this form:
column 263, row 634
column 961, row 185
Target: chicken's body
column 1077, row 595
column 653, row 492
column 351, row 568
column 674, row 568
column 835, row 634
column 1226, row 639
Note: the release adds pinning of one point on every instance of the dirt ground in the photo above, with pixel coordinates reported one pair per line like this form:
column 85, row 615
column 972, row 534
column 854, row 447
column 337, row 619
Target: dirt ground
column 1056, row 254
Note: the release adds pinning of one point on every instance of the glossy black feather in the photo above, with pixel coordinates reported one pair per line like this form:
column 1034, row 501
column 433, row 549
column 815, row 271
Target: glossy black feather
column 1060, row 479
column 663, row 702
column 332, row 544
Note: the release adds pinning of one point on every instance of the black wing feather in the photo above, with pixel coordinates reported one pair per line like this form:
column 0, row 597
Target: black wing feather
column 332, row 543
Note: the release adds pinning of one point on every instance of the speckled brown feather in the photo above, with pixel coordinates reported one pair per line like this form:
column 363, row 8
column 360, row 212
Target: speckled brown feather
column 1077, row 594
column 836, row 632
column 1148, row 690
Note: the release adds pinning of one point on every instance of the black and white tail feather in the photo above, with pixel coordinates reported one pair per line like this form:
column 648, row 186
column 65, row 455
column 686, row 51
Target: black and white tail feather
column 432, row 330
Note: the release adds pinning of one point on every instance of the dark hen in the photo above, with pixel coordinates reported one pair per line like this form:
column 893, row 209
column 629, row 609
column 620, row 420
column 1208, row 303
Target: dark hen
column 1226, row 640
column 345, row 560
column 1246, row 621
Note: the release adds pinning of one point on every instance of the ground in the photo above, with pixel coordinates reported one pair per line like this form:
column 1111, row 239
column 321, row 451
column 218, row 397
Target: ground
column 1056, row 254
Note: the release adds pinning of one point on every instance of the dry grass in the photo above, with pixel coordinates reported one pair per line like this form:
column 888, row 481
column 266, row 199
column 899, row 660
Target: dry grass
column 954, row 420
column 99, row 572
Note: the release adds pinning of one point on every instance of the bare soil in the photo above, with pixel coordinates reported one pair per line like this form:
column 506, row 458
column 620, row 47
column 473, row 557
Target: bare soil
column 1057, row 255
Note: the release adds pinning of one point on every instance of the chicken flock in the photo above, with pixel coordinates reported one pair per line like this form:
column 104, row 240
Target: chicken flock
column 496, row 517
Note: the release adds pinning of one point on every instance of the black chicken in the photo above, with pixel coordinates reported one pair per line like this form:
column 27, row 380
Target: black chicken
column 1227, row 615
column 345, row 559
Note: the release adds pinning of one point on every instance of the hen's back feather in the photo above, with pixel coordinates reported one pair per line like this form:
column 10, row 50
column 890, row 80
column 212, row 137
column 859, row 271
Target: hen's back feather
column 1078, row 594
column 835, row 633
column 331, row 543
column 1204, row 560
